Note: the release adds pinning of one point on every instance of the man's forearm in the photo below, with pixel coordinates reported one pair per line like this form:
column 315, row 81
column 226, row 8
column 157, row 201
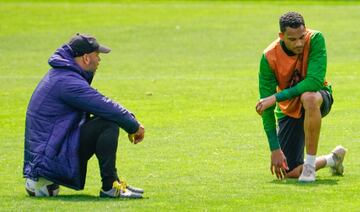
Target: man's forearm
column 307, row 85
column 269, row 123
column 272, row 139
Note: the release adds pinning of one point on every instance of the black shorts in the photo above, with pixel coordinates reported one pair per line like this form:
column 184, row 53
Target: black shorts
column 291, row 133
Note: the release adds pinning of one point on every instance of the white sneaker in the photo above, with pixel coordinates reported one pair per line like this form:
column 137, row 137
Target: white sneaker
column 41, row 187
column 119, row 190
column 134, row 189
column 338, row 156
column 308, row 174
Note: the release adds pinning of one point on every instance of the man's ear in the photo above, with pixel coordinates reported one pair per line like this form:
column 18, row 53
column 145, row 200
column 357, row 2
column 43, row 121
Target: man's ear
column 281, row 35
column 86, row 59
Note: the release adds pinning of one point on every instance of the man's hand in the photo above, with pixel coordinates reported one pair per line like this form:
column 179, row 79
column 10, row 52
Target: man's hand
column 138, row 136
column 278, row 164
column 265, row 103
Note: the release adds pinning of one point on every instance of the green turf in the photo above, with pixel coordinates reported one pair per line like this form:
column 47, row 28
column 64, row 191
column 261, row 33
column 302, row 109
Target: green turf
column 188, row 70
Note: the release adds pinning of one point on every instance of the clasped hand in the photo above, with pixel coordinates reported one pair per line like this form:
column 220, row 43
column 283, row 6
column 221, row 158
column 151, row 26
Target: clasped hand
column 138, row 136
column 265, row 103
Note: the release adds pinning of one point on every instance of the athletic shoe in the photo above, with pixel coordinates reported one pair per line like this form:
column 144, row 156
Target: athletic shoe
column 338, row 157
column 134, row 189
column 41, row 187
column 119, row 190
column 308, row 174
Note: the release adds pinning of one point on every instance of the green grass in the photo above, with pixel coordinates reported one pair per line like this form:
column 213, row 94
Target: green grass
column 204, row 148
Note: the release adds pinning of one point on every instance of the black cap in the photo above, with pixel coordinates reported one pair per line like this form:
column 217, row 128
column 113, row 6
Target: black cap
column 83, row 44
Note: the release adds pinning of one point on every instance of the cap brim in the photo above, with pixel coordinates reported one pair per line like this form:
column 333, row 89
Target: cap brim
column 104, row 49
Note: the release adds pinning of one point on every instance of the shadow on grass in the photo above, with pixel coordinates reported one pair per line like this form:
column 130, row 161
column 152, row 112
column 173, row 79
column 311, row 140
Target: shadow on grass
column 295, row 182
column 84, row 198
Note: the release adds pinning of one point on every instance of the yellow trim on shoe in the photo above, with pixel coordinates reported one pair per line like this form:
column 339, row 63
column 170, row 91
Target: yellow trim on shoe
column 119, row 187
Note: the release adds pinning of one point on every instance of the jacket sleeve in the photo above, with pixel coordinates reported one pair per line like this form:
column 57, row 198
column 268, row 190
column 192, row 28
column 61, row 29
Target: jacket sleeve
column 267, row 87
column 79, row 94
column 315, row 76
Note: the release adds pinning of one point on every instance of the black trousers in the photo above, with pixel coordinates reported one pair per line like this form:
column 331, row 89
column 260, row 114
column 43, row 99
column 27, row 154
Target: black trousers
column 100, row 137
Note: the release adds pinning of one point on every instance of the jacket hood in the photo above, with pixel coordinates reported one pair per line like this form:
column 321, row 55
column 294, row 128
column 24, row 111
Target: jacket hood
column 63, row 59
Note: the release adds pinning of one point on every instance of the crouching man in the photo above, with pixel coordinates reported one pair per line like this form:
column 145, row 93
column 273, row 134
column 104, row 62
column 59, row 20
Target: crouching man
column 292, row 82
column 68, row 121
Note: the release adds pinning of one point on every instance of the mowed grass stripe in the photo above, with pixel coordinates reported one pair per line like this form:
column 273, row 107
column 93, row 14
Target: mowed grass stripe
column 188, row 70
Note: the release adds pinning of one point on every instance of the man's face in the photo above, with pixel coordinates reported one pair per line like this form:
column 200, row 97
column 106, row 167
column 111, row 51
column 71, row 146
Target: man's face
column 92, row 61
column 294, row 39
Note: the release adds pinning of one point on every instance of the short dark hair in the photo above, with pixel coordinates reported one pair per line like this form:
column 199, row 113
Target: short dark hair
column 291, row 19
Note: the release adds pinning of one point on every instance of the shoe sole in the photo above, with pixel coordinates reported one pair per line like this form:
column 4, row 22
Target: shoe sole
column 306, row 181
column 102, row 195
column 340, row 153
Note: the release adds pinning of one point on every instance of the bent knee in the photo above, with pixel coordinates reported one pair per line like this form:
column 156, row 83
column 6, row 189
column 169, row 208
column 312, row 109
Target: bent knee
column 109, row 124
column 311, row 100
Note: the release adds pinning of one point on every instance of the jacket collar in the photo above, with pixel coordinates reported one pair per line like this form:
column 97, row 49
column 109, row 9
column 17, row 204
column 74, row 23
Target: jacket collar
column 63, row 59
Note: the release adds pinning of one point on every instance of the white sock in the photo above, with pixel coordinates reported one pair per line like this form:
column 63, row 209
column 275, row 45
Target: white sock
column 329, row 160
column 310, row 159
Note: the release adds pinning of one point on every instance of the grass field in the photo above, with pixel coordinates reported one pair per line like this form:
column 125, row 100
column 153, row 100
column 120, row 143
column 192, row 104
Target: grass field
column 188, row 70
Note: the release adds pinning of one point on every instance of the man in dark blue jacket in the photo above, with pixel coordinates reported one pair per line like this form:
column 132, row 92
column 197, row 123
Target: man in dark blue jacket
column 68, row 121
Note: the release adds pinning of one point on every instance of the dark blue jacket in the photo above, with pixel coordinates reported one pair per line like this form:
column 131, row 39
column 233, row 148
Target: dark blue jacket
column 55, row 113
